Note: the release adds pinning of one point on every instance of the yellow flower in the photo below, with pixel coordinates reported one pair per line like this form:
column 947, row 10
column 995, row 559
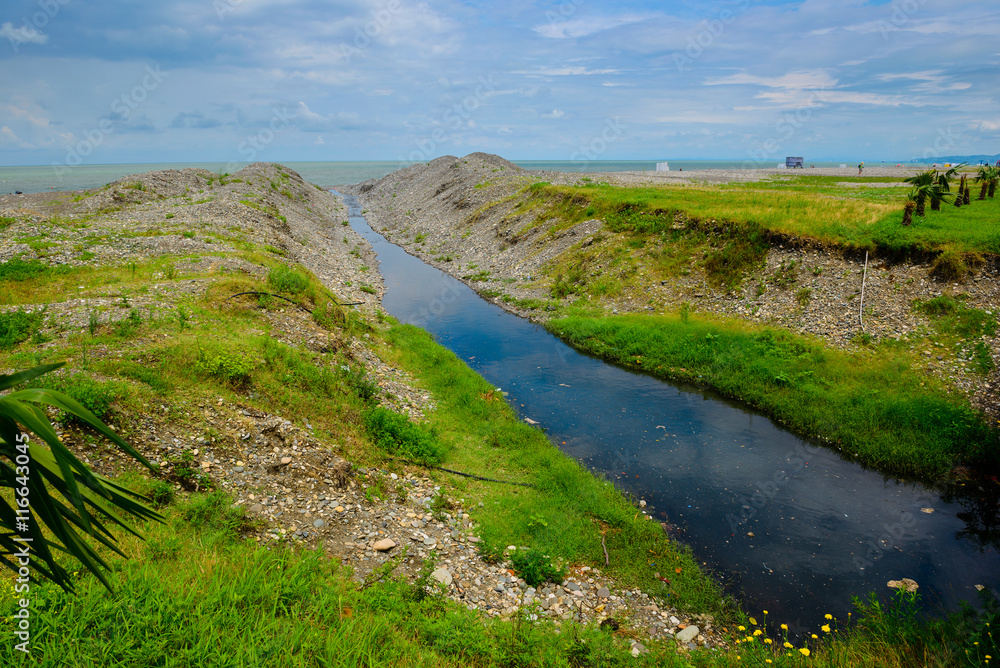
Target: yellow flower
column 789, row 645
column 828, row 616
column 826, row 628
column 765, row 612
column 741, row 628
column 815, row 636
column 767, row 640
column 784, row 627
column 757, row 632
column 804, row 651
column 768, row 661
column 753, row 621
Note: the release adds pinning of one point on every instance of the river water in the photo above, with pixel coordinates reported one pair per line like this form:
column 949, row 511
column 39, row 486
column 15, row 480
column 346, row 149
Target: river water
column 786, row 525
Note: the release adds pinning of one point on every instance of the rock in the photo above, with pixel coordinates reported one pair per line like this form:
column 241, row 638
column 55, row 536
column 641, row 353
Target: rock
column 906, row 583
column 238, row 469
column 256, row 508
column 687, row 634
column 442, row 575
column 603, row 592
column 638, row 648
column 318, row 523
column 384, row 545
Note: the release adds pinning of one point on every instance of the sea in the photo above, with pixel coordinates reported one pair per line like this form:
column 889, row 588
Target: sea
column 40, row 178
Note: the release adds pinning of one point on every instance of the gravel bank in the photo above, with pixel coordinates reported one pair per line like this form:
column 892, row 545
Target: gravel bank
column 299, row 486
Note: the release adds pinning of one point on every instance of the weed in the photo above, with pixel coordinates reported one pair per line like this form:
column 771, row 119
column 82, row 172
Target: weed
column 364, row 388
column 364, row 287
column 785, row 275
column 188, row 235
column 685, row 312
column 183, row 318
column 419, row 238
column 127, row 325
column 951, row 316
column 803, row 296
column 953, row 265
column 170, row 271
column 18, row 326
column 535, row 567
column 287, row 280
column 395, row 434
column 232, row 366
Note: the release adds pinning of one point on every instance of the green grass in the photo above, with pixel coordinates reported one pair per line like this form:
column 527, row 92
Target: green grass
column 839, row 216
column 569, row 510
column 872, row 404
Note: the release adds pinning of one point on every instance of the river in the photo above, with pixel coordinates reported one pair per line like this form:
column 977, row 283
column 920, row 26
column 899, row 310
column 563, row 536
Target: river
column 786, row 525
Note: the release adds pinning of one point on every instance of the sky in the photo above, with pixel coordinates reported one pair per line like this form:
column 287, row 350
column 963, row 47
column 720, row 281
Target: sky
column 132, row 81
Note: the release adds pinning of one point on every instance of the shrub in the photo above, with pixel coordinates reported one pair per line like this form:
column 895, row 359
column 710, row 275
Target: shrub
column 395, row 434
column 233, row 367
column 95, row 396
column 283, row 279
column 17, row 326
column 952, row 265
column 536, row 567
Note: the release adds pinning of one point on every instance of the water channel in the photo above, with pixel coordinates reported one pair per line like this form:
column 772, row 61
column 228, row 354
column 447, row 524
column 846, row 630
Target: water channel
column 786, row 525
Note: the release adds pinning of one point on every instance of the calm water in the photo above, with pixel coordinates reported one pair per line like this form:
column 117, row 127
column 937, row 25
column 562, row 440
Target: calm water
column 325, row 174
column 789, row 527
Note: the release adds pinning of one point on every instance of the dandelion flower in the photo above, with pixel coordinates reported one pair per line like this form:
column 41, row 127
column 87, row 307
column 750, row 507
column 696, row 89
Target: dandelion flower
column 828, row 616
column 765, row 612
column 753, row 621
column 767, row 640
column 757, row 632
column 815, row 636
column 789, row 645
column 826, row 628
column 784, row 627
column 804, row 651
column 741, row 628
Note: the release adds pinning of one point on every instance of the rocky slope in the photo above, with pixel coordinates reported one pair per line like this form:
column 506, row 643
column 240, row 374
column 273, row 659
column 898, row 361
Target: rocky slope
column 293, row 479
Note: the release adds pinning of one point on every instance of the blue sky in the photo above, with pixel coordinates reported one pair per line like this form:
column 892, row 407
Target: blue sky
column 284, row 80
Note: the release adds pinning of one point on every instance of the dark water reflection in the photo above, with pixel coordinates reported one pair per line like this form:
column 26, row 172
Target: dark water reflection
column 787, row 526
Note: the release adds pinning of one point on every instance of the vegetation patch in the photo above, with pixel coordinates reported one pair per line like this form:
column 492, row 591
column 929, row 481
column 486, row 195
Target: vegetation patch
column 397, row 435
column 871, row 404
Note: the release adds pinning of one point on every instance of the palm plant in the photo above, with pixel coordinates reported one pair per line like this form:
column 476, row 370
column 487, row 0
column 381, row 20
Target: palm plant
column 55, row 489
column 961, row 192
column 924, row 186
column 908, row 210
column 943, row 180
column 994, row 177
column 984, row 176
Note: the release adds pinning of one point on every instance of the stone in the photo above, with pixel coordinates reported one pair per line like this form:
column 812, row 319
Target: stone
column 384, row 545
column 318, row 523
column 286, row 460
column 256, row 508
column 687, row 634
column 603, row 592
column 443, row 575
column 238, row 469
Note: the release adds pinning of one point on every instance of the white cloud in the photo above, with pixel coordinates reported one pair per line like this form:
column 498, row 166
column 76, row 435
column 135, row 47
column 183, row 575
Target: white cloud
column 583, row 27
column 555, row 113
column 23, row 35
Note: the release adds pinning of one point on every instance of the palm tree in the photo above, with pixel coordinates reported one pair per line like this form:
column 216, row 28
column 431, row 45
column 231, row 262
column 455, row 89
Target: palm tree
column 924, row 186
column 984, row 176
column 53, row 488
column 908, row 210
column 994, row 178
column 961, row 192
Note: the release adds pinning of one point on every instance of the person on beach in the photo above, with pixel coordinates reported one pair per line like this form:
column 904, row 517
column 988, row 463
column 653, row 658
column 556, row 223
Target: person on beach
column 861, row 168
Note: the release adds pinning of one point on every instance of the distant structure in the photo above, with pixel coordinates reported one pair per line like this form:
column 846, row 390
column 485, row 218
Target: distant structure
column 794, row 163
column 663, row 166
